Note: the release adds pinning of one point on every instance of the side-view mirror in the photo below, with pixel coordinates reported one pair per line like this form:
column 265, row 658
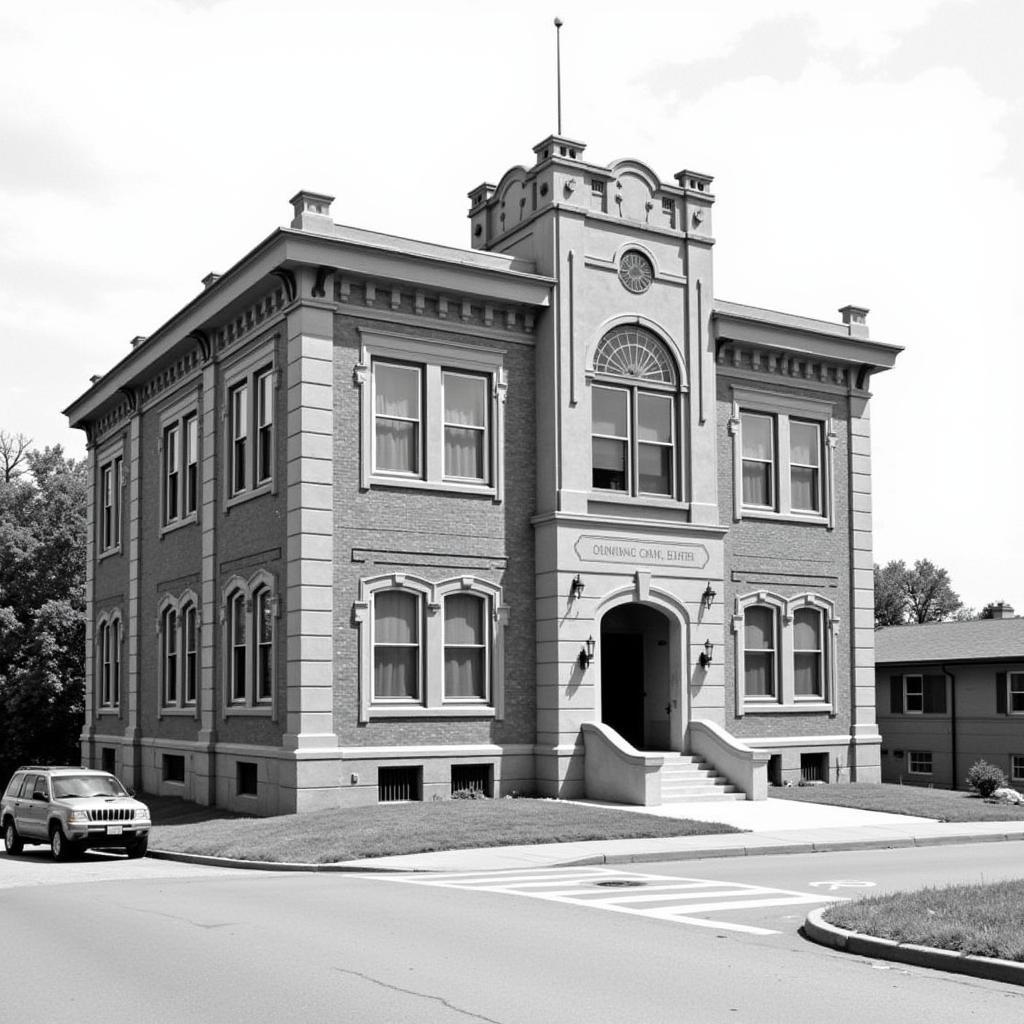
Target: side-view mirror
column 131, row 791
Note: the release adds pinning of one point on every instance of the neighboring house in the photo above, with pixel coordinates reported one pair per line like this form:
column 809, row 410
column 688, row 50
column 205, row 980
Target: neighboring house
column 950, row 694
column 378, row 519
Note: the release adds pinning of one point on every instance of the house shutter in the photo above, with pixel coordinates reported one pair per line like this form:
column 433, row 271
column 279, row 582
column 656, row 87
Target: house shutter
column 935, row 695
column 896, row 695
column 1000, row 693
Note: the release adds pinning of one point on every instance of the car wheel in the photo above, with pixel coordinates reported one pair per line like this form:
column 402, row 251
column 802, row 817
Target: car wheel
column 60, row 846
column 138, row 848
column 12, row 841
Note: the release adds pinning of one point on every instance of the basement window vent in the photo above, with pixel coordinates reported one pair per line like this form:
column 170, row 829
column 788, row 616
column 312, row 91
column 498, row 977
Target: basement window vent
column 814, row 767
column 472, row 779
column 399, row 785
column 174, row 768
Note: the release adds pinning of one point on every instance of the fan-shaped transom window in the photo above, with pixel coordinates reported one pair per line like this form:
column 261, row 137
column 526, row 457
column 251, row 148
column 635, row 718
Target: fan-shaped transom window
column 633, row 351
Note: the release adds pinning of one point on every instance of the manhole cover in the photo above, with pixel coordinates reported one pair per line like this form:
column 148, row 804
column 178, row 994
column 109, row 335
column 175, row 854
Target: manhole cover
column 621, row 883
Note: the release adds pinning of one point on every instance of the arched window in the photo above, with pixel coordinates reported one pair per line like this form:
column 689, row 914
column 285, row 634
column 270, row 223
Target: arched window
column 264, row 645
column 808, row 653
column 250, row 643
column 759, row 653
column 633, row 414
column 169, row 637
column 465, row 648
column 396, row 645
column 108, row 650
column 178, row 628
column 190, row 630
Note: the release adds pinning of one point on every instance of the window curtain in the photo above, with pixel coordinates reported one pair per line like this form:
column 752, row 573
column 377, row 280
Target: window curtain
column 804, row 448
column 758, row 453
column 807, row 652
column 397, row 407
column 759, row 656
column 396, row 646
column 465, row 412
column 464, row 669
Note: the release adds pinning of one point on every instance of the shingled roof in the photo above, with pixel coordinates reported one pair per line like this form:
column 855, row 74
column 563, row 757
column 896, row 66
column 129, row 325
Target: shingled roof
column 980, row 640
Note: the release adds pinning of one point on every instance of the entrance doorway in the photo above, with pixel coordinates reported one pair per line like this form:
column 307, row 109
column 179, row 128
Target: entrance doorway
column 638, row 699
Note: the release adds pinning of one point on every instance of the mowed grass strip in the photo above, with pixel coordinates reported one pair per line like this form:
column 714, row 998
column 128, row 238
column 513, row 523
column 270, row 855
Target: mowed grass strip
column 383, row 830
column 980, row 920
column 940, row 804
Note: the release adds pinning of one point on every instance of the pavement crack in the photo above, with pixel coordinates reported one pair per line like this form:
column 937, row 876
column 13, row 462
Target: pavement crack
column 422, row 995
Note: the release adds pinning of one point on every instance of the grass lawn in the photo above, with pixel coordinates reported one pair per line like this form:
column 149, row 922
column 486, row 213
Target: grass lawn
column 940, row 804
column 381, row 830
column 983, row 920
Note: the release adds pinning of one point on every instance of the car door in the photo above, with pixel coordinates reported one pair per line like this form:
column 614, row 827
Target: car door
column 32, row 824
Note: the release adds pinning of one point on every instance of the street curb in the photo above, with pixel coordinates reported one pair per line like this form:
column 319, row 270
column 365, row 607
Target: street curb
column 642, row 857
column 819, row 930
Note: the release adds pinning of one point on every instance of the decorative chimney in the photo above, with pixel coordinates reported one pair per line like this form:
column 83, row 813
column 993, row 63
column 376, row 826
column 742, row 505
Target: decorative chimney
column 210, row 279
column 138, row 340
column 856, row 320
column 312, row 212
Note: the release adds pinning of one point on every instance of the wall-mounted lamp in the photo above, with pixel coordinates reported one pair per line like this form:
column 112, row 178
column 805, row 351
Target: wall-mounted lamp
column 705, row 655
column 586, row 653
column 575, row 588
column 708, row 597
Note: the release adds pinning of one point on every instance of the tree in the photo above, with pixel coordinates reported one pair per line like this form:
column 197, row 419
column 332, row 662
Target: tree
column 920, row 594
column 42, row 610
column 13, row 451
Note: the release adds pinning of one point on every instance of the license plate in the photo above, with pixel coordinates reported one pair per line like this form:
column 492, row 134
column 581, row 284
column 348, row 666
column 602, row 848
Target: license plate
column 115, row 830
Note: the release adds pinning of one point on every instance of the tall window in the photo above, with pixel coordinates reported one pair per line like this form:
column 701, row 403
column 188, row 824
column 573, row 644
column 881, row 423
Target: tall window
column 190, row 502
column 397, row 418
column 239, row 404
column 633, row 415
column 110, row 505
column 169, row 632
column 264, row 645
column 172, row 471
column 805, row 466
column 759, row 661
column 264, row 426
column 249, row 635
column 1016, row 692
column 758, row 461
column 109, row 647
column 396, row 646
column 465, row 426
column 465, row 648
column 181, row 459
column 191, row 646
column 808, row 653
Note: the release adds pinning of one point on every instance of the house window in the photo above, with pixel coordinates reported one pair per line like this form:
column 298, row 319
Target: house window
column 782, row 461
column 109, row 648
column 430, row 649
column 398, row 424
column 919, row 762
column 465, row 648
column 762, row 471
column 396, row 646
column 785, row 650
column 110, row 505
column 759, row 652
column 179, row 651
column 465, row 426
column 170, row 656
column 1017, row 768
column 250, row 414
column 250, row 615
column 918, row 695
column 181, row 469
column 633, row 421
column 808, row 653
column 1016, row 680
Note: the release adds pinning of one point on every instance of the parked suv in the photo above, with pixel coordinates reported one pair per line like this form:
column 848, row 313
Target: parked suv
column 72, row 809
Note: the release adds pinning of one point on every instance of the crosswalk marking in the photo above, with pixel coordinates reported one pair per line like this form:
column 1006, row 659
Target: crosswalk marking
column 680, row 898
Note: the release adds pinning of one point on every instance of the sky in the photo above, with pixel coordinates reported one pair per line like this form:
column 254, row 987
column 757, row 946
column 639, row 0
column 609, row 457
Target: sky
column 867, row 153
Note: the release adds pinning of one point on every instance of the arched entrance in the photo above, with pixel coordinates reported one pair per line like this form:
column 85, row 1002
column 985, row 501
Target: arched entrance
column 639, row 690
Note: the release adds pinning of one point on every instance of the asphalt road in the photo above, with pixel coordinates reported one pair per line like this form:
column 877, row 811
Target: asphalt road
column 108, row 939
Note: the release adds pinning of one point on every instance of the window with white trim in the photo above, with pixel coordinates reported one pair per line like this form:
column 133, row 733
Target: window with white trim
column 1016, row 692
column 108, row 661
column 783, row 457
column 1017, row 767
column 250, row 643
column 109, row 519
column 181, row 469
column 784, row 652
column 250, row 431
column 918, row 694
column 432, row 414
column 634, row 414
column 178, row 625
column 919, row 762
column 430, row 648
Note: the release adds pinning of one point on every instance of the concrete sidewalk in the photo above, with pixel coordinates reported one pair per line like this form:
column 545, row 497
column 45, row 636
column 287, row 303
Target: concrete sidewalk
column 774, row 827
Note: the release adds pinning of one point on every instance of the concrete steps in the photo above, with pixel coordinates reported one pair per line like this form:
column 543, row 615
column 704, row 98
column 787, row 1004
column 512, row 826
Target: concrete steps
column 686, row 779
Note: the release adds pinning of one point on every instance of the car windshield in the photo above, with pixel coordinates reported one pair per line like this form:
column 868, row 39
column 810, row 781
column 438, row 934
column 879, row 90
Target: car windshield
column 70, row 786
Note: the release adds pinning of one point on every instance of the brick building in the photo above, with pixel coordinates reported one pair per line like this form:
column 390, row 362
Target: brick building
column 380, row 519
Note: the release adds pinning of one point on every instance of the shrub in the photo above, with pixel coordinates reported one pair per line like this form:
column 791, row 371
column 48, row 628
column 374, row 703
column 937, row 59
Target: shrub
column 985, row 778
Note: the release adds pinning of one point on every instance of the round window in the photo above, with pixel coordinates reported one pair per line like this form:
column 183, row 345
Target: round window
column 635, row 272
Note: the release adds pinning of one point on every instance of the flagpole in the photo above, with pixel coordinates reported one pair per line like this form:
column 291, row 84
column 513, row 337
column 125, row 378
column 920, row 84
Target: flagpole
column 558, row 61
